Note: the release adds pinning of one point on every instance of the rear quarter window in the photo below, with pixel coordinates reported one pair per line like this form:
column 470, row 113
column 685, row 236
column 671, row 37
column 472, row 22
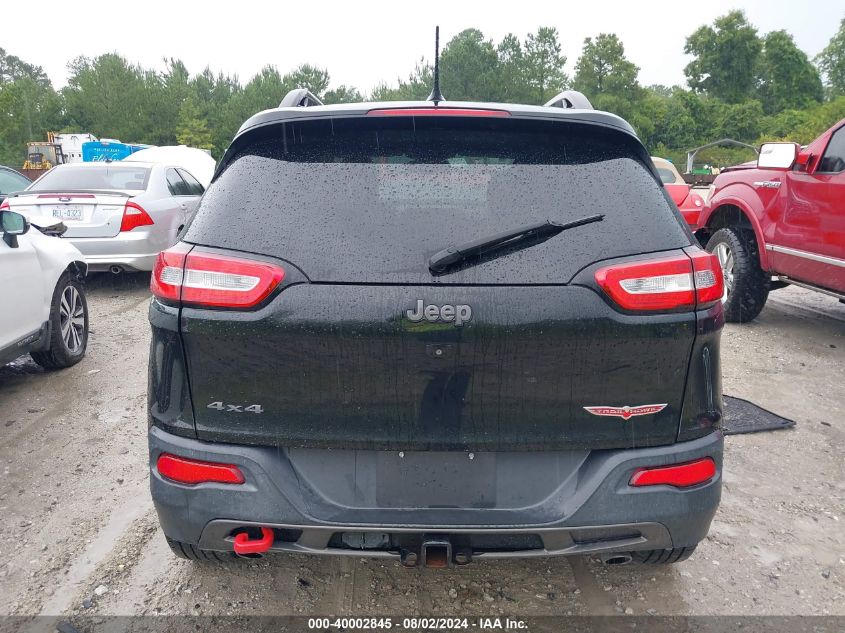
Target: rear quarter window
column 371, row 199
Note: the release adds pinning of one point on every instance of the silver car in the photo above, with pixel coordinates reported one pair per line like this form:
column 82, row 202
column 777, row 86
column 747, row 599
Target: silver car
column 119, row 215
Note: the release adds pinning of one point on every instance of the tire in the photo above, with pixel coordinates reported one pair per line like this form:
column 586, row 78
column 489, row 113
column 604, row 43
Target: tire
column 68, row 333
column 746, row 284
column 192, row 552
column 662, row 556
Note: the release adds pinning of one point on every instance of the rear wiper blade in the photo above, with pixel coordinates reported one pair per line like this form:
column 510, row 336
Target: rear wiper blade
column 502, row 243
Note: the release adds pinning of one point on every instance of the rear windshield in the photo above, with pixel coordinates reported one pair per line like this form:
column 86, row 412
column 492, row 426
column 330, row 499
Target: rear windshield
column 69, row 178
column 370, row 200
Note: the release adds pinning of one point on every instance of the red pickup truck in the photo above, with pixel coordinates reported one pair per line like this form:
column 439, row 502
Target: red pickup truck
column 779, row 221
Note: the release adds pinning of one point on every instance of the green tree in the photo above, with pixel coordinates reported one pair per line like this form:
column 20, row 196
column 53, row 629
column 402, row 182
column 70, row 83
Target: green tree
column 13, row 68
column 342, row 94
column 171, row 90
column 212, row 94
column 265, row 90
column 726, row 56
column 802, row 126
column 30, row 109
column 663, row 91
column 604, row 69
column 831, row 62
column 704, row 115
column 787, row 78
column 663, row 120
column 607, row 78
column 416, row 88
column 544, row 63
column 316, row 80
column 511, row 85
column 741, row 121
column 468, row 66
column 29, row 106
column 192, row 127
column 110, row 98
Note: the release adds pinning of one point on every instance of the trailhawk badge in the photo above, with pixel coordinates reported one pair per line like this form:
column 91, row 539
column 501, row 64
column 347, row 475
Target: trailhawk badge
column 626, row 412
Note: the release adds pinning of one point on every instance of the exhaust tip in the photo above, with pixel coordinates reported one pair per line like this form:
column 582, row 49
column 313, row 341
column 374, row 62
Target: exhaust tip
column 616, row 558
column 115, row 270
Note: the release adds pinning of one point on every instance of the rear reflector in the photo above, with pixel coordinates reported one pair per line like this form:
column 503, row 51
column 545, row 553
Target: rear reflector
column 677, row 475
column 438, row 112
column 211, row 280
column 194, row 471
column 684, row 281
column 133, row 217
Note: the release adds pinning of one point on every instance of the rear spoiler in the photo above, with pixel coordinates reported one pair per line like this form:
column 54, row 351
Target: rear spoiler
column 104, row 192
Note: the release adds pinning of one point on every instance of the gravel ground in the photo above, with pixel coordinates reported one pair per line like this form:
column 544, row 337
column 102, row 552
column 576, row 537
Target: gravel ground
column 80, row 535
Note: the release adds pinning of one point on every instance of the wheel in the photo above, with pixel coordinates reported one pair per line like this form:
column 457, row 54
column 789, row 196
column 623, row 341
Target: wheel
column 662, row 556
column 192, row 552
column 746, row 285
column 68, row 326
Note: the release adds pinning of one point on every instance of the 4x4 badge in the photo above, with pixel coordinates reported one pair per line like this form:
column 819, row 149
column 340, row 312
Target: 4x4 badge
column 626, row 412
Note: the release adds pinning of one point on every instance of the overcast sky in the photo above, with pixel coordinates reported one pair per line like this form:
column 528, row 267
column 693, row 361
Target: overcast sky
column 365, row 42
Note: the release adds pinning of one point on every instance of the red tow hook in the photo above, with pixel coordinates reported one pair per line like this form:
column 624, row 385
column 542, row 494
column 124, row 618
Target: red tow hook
column 243, row 544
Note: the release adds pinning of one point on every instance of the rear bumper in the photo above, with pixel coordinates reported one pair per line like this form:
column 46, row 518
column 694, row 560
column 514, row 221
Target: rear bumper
column 591, row 508
column 132, row 250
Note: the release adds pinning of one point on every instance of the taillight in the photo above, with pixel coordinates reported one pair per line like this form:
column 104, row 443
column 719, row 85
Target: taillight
column 166, row 280
column 663, row 284
column 678, row 475
column 5, row 206
column 134, row 216
column 709, row 280
column 194, row 471
column 211, row 280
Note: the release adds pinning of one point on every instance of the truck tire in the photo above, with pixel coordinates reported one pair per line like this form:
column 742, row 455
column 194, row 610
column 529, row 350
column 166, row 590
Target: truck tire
column 68, row 326
column 662, row 556
column 746, row 284
column 192, row 552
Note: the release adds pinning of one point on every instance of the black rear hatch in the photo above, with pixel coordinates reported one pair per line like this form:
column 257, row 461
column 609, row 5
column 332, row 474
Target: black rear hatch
column 355, row 208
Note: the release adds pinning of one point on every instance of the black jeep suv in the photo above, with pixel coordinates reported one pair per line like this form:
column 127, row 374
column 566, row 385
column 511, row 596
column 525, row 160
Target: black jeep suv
column 437, row 332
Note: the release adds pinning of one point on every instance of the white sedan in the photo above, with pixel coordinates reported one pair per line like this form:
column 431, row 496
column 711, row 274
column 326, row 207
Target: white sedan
column 44, row 312
column 119, row 215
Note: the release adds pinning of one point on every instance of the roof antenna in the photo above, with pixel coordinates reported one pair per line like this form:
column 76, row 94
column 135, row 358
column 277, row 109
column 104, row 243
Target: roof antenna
column 436, row 95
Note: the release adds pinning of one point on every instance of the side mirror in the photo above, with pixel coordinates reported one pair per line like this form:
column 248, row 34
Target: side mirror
column 804, row 159
column 12, row 224
column 777, row 155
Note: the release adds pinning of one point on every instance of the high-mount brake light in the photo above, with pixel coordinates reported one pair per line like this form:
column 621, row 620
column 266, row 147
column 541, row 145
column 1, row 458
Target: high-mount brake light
column 212, row 280
column 476, row 112
column 683, row 281
column 678, row 475
column 194, row 471
column 134, row 216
